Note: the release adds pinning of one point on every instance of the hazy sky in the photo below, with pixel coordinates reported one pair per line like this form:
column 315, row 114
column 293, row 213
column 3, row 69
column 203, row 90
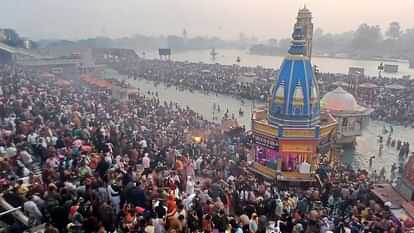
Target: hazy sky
column 74, row 19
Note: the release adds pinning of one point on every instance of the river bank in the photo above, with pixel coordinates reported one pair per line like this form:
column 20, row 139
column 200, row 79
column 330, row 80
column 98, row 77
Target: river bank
column 367, row 144
column 324, row 64
column 377, row 59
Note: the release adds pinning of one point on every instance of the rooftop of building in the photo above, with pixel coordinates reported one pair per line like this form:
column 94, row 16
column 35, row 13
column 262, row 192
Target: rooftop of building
column 341, row 101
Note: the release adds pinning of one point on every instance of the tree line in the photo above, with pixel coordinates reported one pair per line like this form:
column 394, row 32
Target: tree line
column 365, row 41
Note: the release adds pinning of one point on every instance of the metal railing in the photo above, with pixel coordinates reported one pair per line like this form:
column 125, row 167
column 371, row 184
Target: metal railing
column 15, row 211
column 10, row 211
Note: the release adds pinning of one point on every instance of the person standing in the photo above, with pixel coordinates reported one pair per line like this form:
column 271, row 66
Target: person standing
column 190, row 186
column 253, row 223
column 32, row 210
column 146, row 162
column 114, row 195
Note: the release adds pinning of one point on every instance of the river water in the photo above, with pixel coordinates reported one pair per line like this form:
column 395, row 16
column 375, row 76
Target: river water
column 325, row 64
column 367, row 145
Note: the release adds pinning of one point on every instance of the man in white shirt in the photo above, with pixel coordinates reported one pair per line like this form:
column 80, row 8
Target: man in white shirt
column 146, row 163
column 32, row 138
column 198, row 165
column 143, row 144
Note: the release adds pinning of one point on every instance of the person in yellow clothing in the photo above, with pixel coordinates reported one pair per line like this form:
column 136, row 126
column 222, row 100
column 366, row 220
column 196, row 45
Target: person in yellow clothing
column 21, row 189
column 364, row 214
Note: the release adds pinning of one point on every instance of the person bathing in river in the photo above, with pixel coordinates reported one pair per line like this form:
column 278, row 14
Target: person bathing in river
column 399, row 144
column 371, row 160
column 381, row 147
column 380, row 138
column 382, row 174
column 389, row 140
column 393, row 169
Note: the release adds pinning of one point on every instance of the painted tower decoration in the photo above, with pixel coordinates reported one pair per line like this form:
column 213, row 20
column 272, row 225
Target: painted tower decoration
column 304, row 21
column 291, row 132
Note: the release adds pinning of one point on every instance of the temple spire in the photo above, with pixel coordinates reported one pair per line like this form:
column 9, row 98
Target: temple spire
column 304, row 20
column 297, row 46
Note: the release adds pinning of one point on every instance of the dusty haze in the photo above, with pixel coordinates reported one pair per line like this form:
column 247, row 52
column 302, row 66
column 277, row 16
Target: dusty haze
column 75, row 19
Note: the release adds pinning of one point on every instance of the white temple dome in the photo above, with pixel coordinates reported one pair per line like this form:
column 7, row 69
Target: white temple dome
column 339, row 100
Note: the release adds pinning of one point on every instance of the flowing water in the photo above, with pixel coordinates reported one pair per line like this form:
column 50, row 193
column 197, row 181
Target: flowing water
column 367, row 145
column 325, row 64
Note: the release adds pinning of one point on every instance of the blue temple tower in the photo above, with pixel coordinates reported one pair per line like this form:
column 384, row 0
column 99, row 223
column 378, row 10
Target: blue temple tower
column 291, row 131
column 295, row 94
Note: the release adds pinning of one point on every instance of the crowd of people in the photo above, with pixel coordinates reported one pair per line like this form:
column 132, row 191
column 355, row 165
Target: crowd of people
column 110, row 166
column 391, row 99
column 214, row 78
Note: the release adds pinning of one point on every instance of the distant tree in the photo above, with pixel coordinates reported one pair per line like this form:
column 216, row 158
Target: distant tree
column 175, row 42
column 242, row 37
column 318, row 34
column 394, row 31
column 34, row 45
column 272, row 42
column 406, row 45
column 284, row 44
column 325, row 43
column 12, row 38
column 367, row 39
